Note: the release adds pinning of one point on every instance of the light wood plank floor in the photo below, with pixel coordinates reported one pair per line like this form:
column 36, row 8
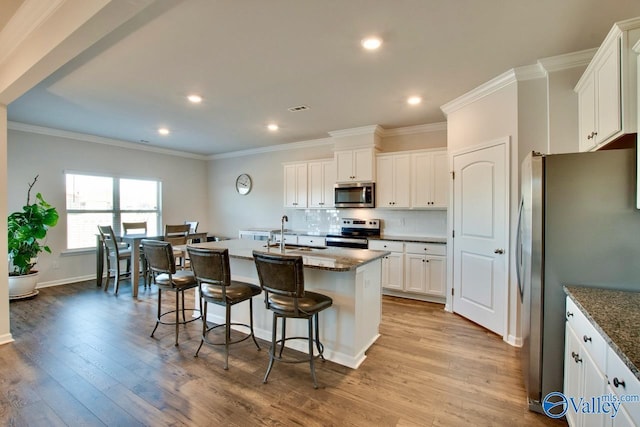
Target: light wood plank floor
column 84, row 357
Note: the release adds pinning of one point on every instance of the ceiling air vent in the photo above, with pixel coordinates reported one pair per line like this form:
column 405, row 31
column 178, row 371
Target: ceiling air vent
column 298, row 108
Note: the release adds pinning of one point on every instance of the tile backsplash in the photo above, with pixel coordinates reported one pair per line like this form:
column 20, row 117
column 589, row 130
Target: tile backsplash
column 432, row 223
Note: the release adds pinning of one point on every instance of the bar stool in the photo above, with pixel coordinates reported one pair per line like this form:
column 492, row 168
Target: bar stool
column 212, row 271
column 163, row 270
column 282, row 279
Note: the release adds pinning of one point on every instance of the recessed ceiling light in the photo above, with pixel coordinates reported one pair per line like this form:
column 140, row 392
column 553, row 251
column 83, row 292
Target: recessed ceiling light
column 414, row 100
column 272, row 127
column 163, row 131
column 196, row 99
column 371, row 43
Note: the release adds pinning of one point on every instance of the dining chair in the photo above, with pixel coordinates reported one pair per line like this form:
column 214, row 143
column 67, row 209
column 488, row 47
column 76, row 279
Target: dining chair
column 162, row 264
column 116, row 252
column 139, row 228
column 177, row 235
column 212, row 271
column 193, row 228
column 282, row 280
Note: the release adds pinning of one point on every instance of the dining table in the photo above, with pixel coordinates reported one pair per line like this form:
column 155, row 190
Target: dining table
column 134, row 240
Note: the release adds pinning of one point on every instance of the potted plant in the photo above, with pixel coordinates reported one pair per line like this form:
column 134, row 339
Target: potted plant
column 27, row 229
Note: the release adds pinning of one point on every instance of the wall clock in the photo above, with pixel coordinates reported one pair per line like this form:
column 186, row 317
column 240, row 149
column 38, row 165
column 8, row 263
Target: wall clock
column 243, row 184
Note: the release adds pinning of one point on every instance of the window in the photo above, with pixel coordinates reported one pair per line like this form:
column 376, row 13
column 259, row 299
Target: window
column 103, row 200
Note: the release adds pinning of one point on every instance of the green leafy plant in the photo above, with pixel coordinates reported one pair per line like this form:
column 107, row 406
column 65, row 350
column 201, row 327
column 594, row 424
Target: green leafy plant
column 27, row 229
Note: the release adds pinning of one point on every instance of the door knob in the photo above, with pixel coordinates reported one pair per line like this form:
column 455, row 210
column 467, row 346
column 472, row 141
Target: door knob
column 498, row 251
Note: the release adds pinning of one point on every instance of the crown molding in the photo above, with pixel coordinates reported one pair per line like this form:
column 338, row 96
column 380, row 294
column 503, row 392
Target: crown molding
column 485, row 89
column 411, row 130
column 27, row 18
column 567, row 61
column 273, row 148
column 363, row 130
column 23, row 127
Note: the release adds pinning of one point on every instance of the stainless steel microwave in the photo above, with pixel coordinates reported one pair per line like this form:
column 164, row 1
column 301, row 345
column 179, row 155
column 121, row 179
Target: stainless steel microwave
column 355, row 195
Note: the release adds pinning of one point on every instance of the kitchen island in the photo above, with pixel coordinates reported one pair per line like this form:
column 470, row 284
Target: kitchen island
column 351, row 277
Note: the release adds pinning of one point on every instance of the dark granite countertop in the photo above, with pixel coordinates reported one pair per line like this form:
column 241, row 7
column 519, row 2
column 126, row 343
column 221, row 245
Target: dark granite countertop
column 411, row 239
column 616, row 315
column 331, row 259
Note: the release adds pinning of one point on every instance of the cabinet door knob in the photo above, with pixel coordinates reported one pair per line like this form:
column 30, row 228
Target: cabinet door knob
column 576, row 357
column 499, row 251
column 586, row 338
column 617, row 382
column 569, row 314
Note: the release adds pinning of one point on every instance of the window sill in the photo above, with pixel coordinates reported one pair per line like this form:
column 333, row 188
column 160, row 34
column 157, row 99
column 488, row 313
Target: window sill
column 80, row 251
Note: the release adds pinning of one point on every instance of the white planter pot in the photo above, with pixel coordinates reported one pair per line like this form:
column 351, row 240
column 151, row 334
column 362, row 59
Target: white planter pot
column 23, row 286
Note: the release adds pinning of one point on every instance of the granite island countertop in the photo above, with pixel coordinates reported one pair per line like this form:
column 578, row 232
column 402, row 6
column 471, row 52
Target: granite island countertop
column 330, row 258
column 616, row 315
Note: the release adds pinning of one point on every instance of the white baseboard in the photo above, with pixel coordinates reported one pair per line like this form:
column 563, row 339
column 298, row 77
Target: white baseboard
column 6, row 339
column 514, row 341
column 65, row 281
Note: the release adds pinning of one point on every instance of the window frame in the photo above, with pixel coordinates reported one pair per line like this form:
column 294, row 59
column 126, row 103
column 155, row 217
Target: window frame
column 116, row 212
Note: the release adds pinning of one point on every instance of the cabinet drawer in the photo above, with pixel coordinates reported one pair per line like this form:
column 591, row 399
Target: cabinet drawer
column 627, row 383
column 590, row 338
column 291, row 239
column 311, row 241
column 426, row 248
column 386, row 245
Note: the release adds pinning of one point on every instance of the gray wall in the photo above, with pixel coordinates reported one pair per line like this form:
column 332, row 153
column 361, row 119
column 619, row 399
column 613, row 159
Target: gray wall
column 184, row 188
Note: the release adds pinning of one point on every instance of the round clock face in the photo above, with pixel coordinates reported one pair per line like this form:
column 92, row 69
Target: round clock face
column 243, row 184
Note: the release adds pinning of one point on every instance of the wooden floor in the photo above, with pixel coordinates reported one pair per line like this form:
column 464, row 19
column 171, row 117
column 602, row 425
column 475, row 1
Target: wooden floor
column 84, row 357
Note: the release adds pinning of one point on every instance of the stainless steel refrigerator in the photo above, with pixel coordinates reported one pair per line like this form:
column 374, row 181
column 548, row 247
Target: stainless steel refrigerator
column 578, row 225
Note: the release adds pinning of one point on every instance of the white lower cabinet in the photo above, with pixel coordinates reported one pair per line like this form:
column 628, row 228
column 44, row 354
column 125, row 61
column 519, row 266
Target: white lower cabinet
column 392, row 264
column 313, row 241
column 595, row 378
column 413, row 269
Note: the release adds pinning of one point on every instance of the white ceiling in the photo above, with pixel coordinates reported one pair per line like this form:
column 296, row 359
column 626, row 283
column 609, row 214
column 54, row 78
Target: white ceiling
column 253, row 59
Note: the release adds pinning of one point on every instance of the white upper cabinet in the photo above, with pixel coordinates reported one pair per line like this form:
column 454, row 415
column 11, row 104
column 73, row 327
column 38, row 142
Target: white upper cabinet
column 393, row 181
column 430, row 176
column 607, row 96
column 355, row 165
column 321, row 175
column 295, row 185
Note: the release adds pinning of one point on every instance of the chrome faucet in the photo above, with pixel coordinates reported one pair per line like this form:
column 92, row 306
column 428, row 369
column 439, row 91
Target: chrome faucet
column 283, row 220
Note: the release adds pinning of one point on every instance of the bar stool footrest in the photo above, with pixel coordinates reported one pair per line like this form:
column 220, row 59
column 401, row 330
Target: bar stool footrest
column 180, row 322
column 244, row 325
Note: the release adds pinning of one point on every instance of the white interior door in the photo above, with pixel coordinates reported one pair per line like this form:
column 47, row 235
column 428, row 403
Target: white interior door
column 480, row 223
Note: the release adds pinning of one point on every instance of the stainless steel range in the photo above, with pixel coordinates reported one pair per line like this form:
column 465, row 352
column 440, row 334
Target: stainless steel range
column 354, row 233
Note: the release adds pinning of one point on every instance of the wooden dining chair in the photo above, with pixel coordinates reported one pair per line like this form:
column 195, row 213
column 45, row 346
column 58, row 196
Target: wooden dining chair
column 115, row 253
column 139, row 228
column 177, row 235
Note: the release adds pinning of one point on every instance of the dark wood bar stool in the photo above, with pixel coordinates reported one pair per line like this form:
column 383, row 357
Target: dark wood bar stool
column 212, row 271
column 282, row 280
column 162, row 265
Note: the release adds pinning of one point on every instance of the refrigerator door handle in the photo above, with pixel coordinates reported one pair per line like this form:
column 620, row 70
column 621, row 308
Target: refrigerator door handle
column 519, row 251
